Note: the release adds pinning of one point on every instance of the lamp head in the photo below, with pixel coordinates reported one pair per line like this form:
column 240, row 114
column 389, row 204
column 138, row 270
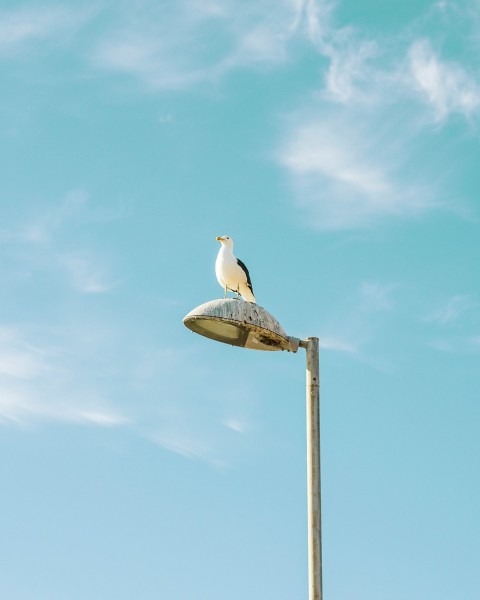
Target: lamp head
column 238, row 323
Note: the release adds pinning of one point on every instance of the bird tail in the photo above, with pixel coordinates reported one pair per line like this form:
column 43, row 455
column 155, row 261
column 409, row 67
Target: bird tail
column 247, row 293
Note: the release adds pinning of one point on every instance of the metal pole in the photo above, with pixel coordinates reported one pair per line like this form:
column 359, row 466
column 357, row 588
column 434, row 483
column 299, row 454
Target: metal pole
column 313, row 471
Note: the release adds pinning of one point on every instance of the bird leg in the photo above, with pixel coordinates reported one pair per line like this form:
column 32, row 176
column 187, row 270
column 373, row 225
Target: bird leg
column 238, row 293
column 225, row 294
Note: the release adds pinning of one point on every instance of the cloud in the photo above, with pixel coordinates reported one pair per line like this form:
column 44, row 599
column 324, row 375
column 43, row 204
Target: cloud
column 339, row 344
column 236, row 424
column 173, row 46
column 358, row 325
column 446, row 86
column 22, row 27
column 73, row 363
column 48, row 241
column 19, row 359
column 204, row 426
column 43, row 227
column 348, row 77
column 25, row 24
column 183, row 444
column 375, row 67
column 39, row 383
column 350, row 150
column 86, row 274
column 184, row 44
column 348, row 69
column 377, row 297
column 453, row 321
column 348, row 173
column 452, row 310
column 84, row 373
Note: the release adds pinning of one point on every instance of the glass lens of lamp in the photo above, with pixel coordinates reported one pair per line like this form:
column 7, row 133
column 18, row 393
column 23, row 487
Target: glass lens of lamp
column 219, row 330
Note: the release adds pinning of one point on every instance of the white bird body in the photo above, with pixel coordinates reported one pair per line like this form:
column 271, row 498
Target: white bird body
column 232, row 274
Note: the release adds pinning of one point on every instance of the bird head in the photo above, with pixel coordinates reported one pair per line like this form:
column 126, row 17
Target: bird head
column 225, row 240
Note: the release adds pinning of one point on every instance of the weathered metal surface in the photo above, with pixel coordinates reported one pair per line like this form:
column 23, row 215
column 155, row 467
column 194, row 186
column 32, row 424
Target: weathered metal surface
column 239, row 310
column 262, row 330
column 313, row 471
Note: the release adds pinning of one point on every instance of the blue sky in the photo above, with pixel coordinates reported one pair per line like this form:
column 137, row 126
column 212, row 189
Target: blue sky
column 338, row 144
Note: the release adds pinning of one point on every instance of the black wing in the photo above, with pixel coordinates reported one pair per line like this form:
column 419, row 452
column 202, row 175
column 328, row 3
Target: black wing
column 243, row 266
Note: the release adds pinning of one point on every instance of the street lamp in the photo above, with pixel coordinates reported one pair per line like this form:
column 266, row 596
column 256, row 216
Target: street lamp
column 248, row 325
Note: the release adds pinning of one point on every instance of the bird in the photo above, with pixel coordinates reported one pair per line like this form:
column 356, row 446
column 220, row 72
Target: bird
column 231, row 272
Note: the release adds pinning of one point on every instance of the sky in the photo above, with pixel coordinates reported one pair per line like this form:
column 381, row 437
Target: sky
column 337, row 143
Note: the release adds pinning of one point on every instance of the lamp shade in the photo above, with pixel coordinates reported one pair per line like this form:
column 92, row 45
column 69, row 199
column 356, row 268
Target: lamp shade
column 239, row 323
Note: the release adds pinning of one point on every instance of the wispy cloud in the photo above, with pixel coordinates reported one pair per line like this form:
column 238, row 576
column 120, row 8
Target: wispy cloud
column 348, row 70
column 173, row 46
column 191, row 43
column 21, row 27
column 452, row 310
column 25, row 24
column 43, row 240
column 18, row 358
column 346, row 173
column 451, row 323
column 86, row 274
column 185, row 445
column 74, row 364
column 377, row 297
column 44, row 225
column 39, row 383
column 445, row 85
column 204, row 428
column 84, row 374
column 349, row 151
column 359, row 324
column 237, row 424
column 348, row 77
column 337, row 343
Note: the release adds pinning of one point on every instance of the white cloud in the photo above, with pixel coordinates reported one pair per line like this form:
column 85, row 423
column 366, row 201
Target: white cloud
column 336, row 343
column 348, row 69
column 349, row 154
column 442, row 345
column 236, row 424
column 39, row 383
column 317, row 15
column 103, row 417
column 43, row 227
column 359, row 324
column 452, row 310
column 204, row 425
column 346, row 171
column 184, row 44
column 84, row 374
column 377, row 297
column 86, row 274
column 24, row 24
column 446, row 86
column 459, row 343
column 454, row 320
column 183, row 445
column 22, row 27
column 18, row 358
column 43, row 243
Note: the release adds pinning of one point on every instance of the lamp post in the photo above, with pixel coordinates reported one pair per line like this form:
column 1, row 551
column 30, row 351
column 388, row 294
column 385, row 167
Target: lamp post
column 248, row 325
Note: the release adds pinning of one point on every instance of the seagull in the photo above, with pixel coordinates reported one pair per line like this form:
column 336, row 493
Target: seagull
column 231, row 272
